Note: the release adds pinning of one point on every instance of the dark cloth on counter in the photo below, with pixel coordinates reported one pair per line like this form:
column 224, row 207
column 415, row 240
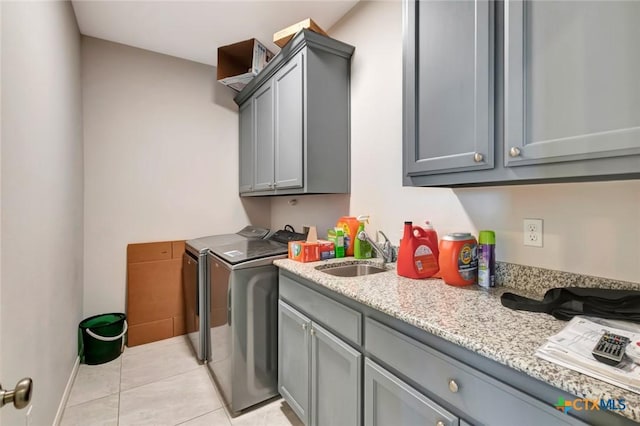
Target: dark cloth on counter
column 565, row 303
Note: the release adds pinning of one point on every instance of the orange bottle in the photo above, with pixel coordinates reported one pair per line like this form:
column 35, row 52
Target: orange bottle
column 416, row 257
column 458, row 259
column 349, row 225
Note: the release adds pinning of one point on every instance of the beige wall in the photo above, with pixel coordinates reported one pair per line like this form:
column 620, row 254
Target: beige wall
column 589, row 228
column 161, row 160
column 42, row 210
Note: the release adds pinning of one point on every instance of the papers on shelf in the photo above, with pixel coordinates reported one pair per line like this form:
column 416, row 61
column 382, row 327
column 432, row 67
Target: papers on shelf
column 571, row 348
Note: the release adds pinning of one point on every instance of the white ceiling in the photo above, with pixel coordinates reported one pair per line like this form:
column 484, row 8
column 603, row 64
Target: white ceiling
column 195, row 29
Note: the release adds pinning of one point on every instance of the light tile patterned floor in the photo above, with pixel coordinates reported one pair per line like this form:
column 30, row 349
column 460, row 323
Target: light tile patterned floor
column 158, row 384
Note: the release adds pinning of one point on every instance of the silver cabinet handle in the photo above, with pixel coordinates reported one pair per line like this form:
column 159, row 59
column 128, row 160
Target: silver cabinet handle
column 20, row 396
column 453, row 386
column 304, row 327
column 478, row 158
column 313, row 332
column 440, row 423
column 515, row 152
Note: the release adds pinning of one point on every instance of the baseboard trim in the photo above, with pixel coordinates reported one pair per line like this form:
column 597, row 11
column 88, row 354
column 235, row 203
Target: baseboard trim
column 67, row 391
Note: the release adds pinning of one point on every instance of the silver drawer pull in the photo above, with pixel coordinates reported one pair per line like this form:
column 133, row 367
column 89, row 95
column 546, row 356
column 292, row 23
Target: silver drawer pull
column 453, row 386
column 478, row 158
column 440, row 423
column 514, row 152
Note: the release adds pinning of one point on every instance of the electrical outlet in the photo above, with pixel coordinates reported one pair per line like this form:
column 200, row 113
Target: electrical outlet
column 533, row 232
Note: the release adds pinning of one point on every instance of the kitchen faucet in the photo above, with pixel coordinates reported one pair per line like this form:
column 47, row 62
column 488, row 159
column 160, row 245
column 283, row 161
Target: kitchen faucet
column 386, row 253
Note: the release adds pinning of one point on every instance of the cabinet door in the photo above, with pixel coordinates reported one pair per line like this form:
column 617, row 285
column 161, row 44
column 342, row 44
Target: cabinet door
column 246, row 146
column 289, row 133
column 390, row 401
column 335, row 380
column 571, row 71
column 448, row 86
column 263, row 136
column 293, row 359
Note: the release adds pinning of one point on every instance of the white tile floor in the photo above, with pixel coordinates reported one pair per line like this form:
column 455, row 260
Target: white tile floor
column 158, row 384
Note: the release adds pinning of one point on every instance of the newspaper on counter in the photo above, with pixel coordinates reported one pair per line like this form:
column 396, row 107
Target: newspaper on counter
column 571, row 348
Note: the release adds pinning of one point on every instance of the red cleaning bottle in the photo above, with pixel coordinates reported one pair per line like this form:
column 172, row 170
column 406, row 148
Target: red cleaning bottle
column 429, row 235
column 416, row 257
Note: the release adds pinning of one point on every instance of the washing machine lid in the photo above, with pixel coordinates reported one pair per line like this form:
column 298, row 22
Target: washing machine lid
column 204, row 244
column 248, row 249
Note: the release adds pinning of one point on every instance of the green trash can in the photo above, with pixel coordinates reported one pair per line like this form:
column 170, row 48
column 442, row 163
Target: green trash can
column 101, row 338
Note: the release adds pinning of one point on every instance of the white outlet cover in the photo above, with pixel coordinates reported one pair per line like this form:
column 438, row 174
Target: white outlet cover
column 532, row 232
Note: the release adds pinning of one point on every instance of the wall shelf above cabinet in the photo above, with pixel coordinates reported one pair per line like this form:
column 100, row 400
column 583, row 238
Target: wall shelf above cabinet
column 504, row 99
column 294, row 121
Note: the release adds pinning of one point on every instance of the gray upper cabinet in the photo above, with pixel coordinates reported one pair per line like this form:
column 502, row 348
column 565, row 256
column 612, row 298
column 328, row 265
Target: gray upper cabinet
column 289, row 93
column 246, row 147
column 263, row 136
column 563, row 100
column 300, row 125
column 448, row 86
column 572, row 81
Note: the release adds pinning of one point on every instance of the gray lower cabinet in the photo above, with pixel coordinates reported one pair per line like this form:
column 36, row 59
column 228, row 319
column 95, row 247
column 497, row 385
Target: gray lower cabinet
column 336, row 370
column 476, row 396
column 319, row 375
column 294, row 360
column 564, row 98
column 299, row 132
column 388, row 401
column 344, row 363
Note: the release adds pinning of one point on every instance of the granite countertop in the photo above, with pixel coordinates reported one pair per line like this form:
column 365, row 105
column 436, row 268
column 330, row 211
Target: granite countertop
column 471, row 317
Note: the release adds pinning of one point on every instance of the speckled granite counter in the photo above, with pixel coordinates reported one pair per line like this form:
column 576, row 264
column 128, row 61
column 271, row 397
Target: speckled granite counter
column 471, row 317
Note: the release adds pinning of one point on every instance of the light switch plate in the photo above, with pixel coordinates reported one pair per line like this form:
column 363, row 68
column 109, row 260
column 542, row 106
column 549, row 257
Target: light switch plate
column 532, row 232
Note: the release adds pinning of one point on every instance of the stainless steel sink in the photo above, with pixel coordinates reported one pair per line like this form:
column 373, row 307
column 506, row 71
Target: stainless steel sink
column 354, row 270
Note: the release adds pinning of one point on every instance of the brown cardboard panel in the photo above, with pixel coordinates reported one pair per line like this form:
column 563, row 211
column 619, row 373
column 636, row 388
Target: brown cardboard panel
column 235, row 59
column 147, row 252
column 178, row 326
column 283, row 36
column 154, row 291
column 177, row 249
column 218, row 317
column 150, row 332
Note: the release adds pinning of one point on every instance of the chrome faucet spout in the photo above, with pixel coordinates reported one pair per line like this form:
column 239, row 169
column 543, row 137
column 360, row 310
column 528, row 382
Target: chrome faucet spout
column 386, row 253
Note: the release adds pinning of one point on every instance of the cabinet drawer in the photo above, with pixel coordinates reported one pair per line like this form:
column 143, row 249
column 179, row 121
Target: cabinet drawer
column 484, row 399
column 334, row 315
column 147, row 252
column 388, row 400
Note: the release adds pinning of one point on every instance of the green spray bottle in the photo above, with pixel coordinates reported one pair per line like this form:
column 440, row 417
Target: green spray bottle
column 362, row 249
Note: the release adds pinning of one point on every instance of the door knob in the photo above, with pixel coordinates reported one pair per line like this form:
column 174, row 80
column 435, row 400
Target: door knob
column 478, row 158
column 514, row 152
column 20, row 396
